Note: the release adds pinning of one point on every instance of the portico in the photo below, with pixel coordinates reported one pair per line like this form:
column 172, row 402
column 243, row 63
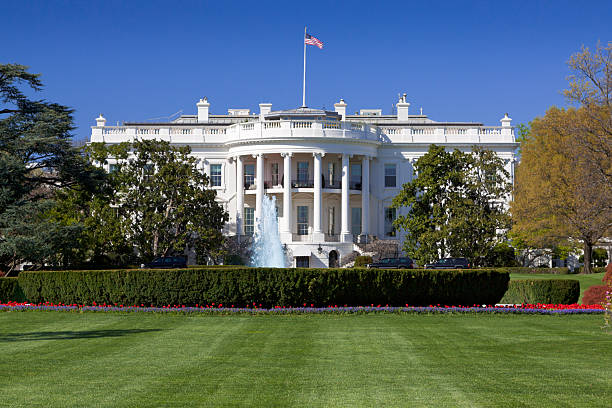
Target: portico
column 312, row 196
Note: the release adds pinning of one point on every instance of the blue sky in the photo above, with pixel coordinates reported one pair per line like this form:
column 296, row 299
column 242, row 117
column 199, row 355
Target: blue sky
column 459, row 60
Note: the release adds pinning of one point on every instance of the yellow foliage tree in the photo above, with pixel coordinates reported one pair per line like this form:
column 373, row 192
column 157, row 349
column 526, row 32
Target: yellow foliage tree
column 560, row 192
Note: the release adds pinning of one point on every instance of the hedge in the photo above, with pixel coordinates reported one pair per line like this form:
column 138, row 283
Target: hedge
column 532, row 291
column 525, row 269
column 362, row 260
column 266, row 286
column 598, row 269
column 10, row 290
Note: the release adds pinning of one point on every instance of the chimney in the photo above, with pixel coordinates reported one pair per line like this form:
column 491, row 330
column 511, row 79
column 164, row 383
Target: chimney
column 402, row 109
column 340, row 108
column 100, row 121
column 505, row 121
column 203, row 106
column 264, row 109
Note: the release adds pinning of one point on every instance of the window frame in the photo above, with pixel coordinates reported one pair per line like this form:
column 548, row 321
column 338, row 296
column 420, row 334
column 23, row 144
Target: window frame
column 216, row 177
column 389, row 221
column 249, row 220
column 302, row 220
column 387, row 176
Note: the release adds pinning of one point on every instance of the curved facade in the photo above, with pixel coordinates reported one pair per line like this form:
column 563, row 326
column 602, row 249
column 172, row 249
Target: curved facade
column 333, row 175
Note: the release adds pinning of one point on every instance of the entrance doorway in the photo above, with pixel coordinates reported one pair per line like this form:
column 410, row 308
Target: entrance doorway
column 333, row 259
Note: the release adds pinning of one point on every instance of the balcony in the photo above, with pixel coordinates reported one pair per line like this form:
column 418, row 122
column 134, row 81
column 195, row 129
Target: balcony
column 355, row 185
column 302, row 183
column 335, row 183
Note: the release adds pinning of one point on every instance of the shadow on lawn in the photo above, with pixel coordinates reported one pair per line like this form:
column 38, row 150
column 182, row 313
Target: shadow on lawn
column 69, row 335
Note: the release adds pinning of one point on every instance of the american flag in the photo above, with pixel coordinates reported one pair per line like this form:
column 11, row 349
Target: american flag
column 310, row 40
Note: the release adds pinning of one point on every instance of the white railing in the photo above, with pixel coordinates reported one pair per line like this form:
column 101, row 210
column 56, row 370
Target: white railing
column 300, row 238
column 147, row 131
column 301, row 124
column 308, row 129
column 181, row 131
column 391, row 131
column 272, row 125
column 332, row 125
column 455, row 131
column 215, row 131
column 491, row 130
column 113, row 131
column 422, row 131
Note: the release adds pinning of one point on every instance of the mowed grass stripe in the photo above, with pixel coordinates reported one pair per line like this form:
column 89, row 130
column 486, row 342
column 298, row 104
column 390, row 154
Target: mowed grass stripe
column 369, row 360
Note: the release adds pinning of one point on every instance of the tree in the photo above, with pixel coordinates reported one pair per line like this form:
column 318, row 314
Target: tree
column 36, row 158
column 590, row 87
column 162, row 200
column 455, row 205
column 559, row 194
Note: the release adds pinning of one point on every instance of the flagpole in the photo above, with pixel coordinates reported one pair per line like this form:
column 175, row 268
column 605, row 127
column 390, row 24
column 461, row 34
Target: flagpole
column 304, row 82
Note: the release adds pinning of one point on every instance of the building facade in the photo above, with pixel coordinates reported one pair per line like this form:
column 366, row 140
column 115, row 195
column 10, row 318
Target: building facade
column 333, row 175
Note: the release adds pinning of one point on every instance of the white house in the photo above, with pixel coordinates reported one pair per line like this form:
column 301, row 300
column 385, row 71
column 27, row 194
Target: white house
column 334, row 175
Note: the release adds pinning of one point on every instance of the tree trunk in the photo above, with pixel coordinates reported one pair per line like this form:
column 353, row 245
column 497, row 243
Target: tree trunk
column 588, row 251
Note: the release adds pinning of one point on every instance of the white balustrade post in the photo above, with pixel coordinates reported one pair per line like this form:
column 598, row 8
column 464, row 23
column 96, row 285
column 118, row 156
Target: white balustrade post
column 287, row 215
column 345, row 232
column 318, row 235
column 365, row 196
column 259, row 185
column 239, row 194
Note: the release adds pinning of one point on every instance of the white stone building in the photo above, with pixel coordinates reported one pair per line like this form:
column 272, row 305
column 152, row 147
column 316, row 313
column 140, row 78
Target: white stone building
column 334, row 175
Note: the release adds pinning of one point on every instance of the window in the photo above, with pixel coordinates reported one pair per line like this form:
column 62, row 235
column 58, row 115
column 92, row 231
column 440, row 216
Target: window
column 356, row 220
column 275, row 176
column 147, row 171
column 249, row 220
column 389, row 218
column 302, row 172
column 331, row 175
column 215, row 175
column 302, row 220
column 249, row 175
column 113, row 168
column 302, row 262
column 390, row 175
column 355, row 179
column 331, row 220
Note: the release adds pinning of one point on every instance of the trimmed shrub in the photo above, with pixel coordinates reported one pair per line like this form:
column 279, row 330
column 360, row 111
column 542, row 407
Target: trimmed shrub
column 595, row 269
column 523, row 269
column 595, row 295
column 532, row 291
column 10, row 290
column 362, row 260
column 241, row 286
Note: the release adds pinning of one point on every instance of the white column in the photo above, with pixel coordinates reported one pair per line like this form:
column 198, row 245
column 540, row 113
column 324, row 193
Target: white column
column 239, row 194
column 317, row 232
column 287, row 215
column 259, row 185
column 207, row 170
column 345, row 232
column 365, row 196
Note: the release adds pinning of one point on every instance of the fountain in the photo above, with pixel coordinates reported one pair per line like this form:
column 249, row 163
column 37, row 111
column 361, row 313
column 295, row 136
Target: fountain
column 267, row 248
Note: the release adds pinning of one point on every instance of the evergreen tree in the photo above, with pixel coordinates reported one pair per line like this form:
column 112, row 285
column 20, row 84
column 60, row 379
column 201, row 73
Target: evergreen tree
column 36, row 159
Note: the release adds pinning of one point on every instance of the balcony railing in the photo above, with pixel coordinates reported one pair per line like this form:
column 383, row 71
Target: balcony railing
column 332, row 237
column 355, row 185
column 301, row 183
column 335, row 183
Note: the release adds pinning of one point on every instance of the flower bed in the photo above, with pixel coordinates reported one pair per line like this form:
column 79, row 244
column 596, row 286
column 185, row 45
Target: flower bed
column 549, row 309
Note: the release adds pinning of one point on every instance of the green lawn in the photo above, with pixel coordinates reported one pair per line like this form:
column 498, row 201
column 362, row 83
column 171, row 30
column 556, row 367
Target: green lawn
column 58, row 359
column 585, row 280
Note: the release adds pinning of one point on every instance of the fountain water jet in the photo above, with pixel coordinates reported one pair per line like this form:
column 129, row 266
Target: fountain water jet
column 267, row 247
